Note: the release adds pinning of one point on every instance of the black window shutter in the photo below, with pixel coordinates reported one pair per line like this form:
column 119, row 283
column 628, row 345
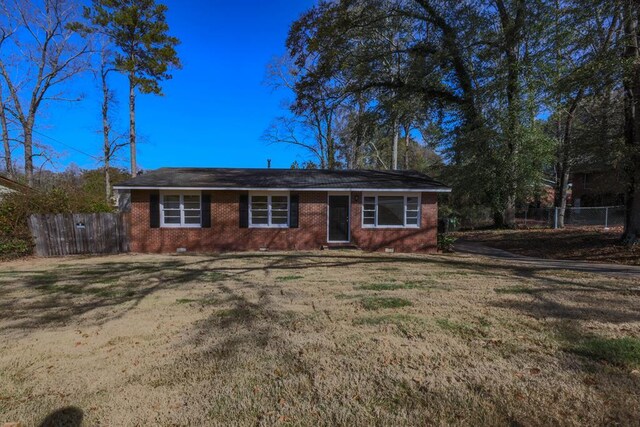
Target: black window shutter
column 154, row 210
column 205, row 202
column 293, row 210
column 244, row 211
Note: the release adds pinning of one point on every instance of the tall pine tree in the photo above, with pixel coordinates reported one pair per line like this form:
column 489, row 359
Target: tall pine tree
column 145, row 52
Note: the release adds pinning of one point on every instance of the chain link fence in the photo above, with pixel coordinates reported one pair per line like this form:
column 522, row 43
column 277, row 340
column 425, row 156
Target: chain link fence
column 602, row 216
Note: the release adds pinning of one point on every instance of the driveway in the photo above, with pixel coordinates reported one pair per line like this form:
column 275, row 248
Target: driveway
column 614, row 270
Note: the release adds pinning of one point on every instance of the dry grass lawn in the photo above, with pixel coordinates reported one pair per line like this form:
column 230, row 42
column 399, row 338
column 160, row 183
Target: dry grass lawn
column 318, row 338
column 591, row 244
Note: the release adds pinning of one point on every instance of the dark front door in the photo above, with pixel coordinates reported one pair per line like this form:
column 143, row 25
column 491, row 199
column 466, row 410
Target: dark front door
column 338, row 218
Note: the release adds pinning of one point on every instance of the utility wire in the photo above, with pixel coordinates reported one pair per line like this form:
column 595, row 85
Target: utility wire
column 68, row 146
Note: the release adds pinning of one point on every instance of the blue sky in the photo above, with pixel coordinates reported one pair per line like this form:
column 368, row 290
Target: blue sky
column 215, row 108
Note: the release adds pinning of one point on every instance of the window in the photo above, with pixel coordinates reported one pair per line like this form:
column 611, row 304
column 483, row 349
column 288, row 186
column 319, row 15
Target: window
column 180, row 210
column 391, row 211
column 269, row 210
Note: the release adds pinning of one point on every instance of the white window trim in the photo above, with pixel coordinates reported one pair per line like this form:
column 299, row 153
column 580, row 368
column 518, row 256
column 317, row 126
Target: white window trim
column 269, row 195
column 405, row 225
column 181, row 194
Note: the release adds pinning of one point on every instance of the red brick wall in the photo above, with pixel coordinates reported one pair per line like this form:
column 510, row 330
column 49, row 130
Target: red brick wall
column 226, row 235
column 423, row 239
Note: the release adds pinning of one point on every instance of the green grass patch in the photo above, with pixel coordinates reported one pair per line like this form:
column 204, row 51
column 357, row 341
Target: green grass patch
column 515, row 290
column 215, row 276
column 44, row 279
column 377, row 303
column 618, row 351
column 386, row 286
column 287, row 278
column 464, row 329
column 389, row 269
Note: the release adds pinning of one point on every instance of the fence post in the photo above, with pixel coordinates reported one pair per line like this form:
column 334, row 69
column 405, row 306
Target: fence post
column 606, row 218
column 555, row 219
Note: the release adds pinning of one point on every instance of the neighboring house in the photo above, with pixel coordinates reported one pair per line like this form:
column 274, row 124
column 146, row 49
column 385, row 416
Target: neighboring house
column 591, row 188
column 212, row 210
column 9, row 186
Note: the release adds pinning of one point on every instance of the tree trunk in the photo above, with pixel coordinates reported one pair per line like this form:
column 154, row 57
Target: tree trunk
column 132, row 124
column 28, row 153
column 407, row 141
column 631, row 119
column 563, row 187
column 394, row 149
column 105, row 135
column 564, row 161
column 8, row 163
column 512, row 32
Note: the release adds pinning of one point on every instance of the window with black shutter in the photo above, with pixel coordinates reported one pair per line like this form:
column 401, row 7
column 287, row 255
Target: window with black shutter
column 293, row 210
column 244, row 211
column 154, row 210
column 205, row 220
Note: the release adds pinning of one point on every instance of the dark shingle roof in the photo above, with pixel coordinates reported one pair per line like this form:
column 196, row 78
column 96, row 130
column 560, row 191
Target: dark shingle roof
column 293, row 179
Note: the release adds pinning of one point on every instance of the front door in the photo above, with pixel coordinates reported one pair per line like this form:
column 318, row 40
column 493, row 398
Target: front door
column 338, row 219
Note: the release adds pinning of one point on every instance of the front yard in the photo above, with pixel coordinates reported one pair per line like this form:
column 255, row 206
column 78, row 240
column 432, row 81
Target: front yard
column 329, row 338
column 581, row 243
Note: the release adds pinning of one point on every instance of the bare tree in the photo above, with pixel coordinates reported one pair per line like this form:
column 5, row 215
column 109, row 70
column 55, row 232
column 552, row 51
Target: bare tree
column 37, row 58
column 110, row 142
column 6, row 145
column 315, row 113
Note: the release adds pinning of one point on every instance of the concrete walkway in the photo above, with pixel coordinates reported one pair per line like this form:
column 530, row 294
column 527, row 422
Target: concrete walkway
column 615, row 270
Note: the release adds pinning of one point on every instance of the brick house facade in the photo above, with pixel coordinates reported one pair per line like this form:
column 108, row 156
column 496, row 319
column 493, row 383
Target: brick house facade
column 225, row 222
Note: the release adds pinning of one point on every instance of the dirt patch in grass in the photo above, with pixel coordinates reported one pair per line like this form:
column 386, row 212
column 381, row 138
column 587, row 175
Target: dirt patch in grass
column 583, row 244
column 354, row 339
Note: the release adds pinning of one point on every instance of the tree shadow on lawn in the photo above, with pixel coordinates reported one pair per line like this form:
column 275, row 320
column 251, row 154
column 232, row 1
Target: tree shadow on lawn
column 58, row 295
column 70, row 291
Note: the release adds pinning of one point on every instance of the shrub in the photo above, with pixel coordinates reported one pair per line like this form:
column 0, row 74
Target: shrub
column 15, row 247
column 445, row 242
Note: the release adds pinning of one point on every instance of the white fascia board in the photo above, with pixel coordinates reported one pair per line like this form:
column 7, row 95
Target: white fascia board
column 367, row 190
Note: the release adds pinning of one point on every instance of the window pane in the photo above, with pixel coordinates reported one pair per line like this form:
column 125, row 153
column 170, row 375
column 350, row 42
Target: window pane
column 368, row 221
column 279, row 220
column 278, row 199
column 171, row 202
column 279, row 206
column 192, row 205
column 259, row 220
column 412, row 203
column 192, row 220
column 259, row 210
column 172, row 220
column 172, row 212
column 390, row 210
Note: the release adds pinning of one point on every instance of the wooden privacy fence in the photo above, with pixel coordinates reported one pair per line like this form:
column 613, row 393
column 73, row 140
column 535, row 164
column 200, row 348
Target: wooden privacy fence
column 73, row 234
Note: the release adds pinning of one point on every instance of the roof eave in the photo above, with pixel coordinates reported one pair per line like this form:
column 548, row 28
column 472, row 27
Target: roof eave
column 201, row 188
